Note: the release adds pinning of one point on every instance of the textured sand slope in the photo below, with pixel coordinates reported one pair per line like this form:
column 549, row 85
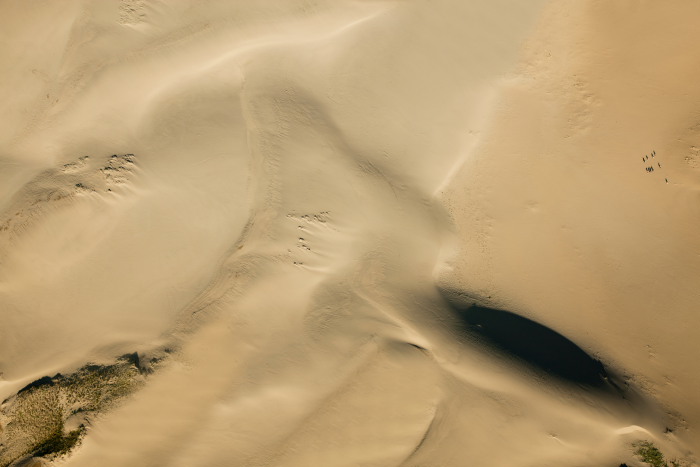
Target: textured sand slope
column 286, row 208
column 583, row 238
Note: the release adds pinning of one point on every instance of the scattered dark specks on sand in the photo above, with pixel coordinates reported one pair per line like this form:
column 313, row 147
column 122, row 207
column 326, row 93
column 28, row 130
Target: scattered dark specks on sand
column 651, row 168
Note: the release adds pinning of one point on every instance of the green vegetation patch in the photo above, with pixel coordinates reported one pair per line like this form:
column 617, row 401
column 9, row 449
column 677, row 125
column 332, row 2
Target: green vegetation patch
column 33, row 422
column 653, row 456
column 59, row 443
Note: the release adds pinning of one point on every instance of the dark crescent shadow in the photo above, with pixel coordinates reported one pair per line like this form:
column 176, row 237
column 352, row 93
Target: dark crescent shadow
column 535, row 345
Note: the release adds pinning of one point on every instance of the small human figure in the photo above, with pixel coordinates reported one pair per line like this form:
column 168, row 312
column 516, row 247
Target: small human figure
column 659, row 164
column 653, row 152
column 667, row 180
column 643, row 159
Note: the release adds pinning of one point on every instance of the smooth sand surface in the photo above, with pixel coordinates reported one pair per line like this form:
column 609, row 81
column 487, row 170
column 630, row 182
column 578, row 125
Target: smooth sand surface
column 286, row 208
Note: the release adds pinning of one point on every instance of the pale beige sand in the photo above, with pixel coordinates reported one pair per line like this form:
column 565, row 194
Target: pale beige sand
column 283, row 193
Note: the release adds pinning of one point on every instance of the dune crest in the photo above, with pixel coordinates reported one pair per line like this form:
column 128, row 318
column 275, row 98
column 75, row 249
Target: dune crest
column 344, row 233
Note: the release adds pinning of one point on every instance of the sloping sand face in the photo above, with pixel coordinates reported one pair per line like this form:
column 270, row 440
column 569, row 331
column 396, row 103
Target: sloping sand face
column 348, row 233
column 566, row 225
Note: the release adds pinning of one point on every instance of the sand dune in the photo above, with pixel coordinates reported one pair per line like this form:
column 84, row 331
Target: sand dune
column 358, row 233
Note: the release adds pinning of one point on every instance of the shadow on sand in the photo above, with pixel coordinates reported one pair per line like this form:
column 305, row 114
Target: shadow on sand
column 536, row 345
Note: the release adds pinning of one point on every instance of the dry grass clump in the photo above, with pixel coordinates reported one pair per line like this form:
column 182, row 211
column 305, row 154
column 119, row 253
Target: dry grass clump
column 653, row 456
column 33, row 422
